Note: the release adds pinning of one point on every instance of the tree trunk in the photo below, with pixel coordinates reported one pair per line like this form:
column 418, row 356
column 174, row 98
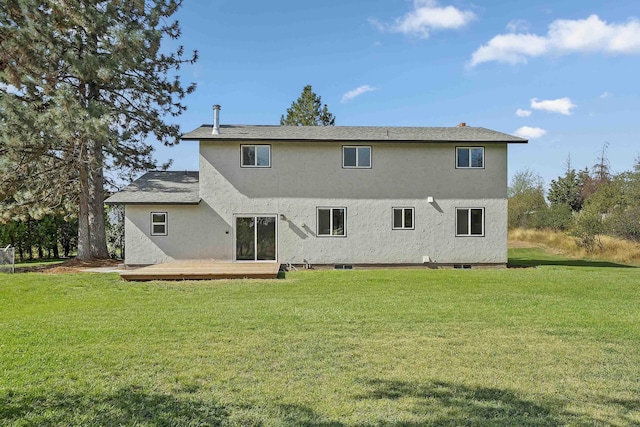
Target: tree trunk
column 122, row 244
column 84, row 246
column 98, row 235
column 97, row 230
column 30, row 238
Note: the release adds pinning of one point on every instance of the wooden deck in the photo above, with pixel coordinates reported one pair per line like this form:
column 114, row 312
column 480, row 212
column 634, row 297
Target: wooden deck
column 203, row 270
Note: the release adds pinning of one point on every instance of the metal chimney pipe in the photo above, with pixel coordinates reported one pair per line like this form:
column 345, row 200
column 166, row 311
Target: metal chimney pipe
column 216, row 119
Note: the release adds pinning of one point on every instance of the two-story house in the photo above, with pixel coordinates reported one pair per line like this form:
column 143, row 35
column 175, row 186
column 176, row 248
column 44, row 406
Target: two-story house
column 327, row 195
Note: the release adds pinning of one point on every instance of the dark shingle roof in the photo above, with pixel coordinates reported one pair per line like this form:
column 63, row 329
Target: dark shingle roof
column 160, row 187
column 351, row 133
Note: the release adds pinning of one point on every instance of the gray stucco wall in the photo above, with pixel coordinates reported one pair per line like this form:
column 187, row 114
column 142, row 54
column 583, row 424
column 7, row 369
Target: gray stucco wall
column 304, row 176
column 190, row 234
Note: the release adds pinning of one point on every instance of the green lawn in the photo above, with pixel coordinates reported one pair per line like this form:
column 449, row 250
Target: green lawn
column 549, row 346
column 535, row 257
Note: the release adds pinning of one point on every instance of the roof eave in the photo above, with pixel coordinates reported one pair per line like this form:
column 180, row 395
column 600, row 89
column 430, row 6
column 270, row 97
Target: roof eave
column 107, row 202
column 349, row 134
column 404, row 141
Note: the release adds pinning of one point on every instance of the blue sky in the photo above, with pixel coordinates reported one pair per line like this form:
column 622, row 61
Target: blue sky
column 562, row 73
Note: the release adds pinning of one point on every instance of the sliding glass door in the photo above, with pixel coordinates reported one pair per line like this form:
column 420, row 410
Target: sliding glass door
column 256, row 238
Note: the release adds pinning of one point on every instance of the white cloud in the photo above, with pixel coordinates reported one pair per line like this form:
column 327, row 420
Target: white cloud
column 530, row 132
column 426, row 16
column 517, row 26
column 356, row 92
column 606, row 95
column 510, row 48
column 522, row 113
column 561, row 105
column 564, row 37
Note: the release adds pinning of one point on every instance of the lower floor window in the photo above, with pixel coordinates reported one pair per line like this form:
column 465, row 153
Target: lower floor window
column 332, row 221
column 158, row 223
column 470, row 222
column 403, row 218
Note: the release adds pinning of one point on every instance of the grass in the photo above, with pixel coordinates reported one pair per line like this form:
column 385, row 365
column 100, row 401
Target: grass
column 614, row 250
column 549, row 346
column 535, row 257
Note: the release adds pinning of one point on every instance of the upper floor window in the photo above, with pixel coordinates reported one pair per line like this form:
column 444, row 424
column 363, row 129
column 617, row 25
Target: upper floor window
column 470, row 157
column 469, row 222
column 159, row 223
column 356, row 157
column 403, row 218
column 332, row 222
column 256, row 156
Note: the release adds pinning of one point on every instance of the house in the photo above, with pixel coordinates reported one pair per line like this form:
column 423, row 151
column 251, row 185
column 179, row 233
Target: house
column 327, row 195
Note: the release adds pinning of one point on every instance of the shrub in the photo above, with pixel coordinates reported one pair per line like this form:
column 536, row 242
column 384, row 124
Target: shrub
column 557, row 217
column 625, row 223
column 587, row 228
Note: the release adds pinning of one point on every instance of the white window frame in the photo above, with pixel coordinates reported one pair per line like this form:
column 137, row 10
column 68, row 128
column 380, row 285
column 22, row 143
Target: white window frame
column 165, row 223
column 469, row 234
column 358, row 156
column 404, row 227
column 255, row 147
column 331, row 209
column 469, row 166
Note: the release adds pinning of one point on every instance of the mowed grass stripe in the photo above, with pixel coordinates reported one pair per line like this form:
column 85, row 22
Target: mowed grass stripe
column 548, row 346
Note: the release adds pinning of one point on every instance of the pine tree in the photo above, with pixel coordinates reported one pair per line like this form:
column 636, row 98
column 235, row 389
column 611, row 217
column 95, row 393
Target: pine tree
column 307, row 110
column 83, row 85
column 568, row 189
column 602, row 169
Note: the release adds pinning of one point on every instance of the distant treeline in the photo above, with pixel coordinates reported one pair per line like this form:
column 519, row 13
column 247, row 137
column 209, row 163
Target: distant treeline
column 56, row 236
column 49, row 237
column 586, row 203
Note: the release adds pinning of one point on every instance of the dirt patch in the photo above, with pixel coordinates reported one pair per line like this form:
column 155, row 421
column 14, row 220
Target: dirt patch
column 73, row 266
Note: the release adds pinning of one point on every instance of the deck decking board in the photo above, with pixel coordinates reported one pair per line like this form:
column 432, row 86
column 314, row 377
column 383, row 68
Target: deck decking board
column 203, row 270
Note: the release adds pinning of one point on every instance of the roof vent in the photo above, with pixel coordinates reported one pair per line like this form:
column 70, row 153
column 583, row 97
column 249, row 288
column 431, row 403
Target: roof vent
column 462, row 125
column 216, row 120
